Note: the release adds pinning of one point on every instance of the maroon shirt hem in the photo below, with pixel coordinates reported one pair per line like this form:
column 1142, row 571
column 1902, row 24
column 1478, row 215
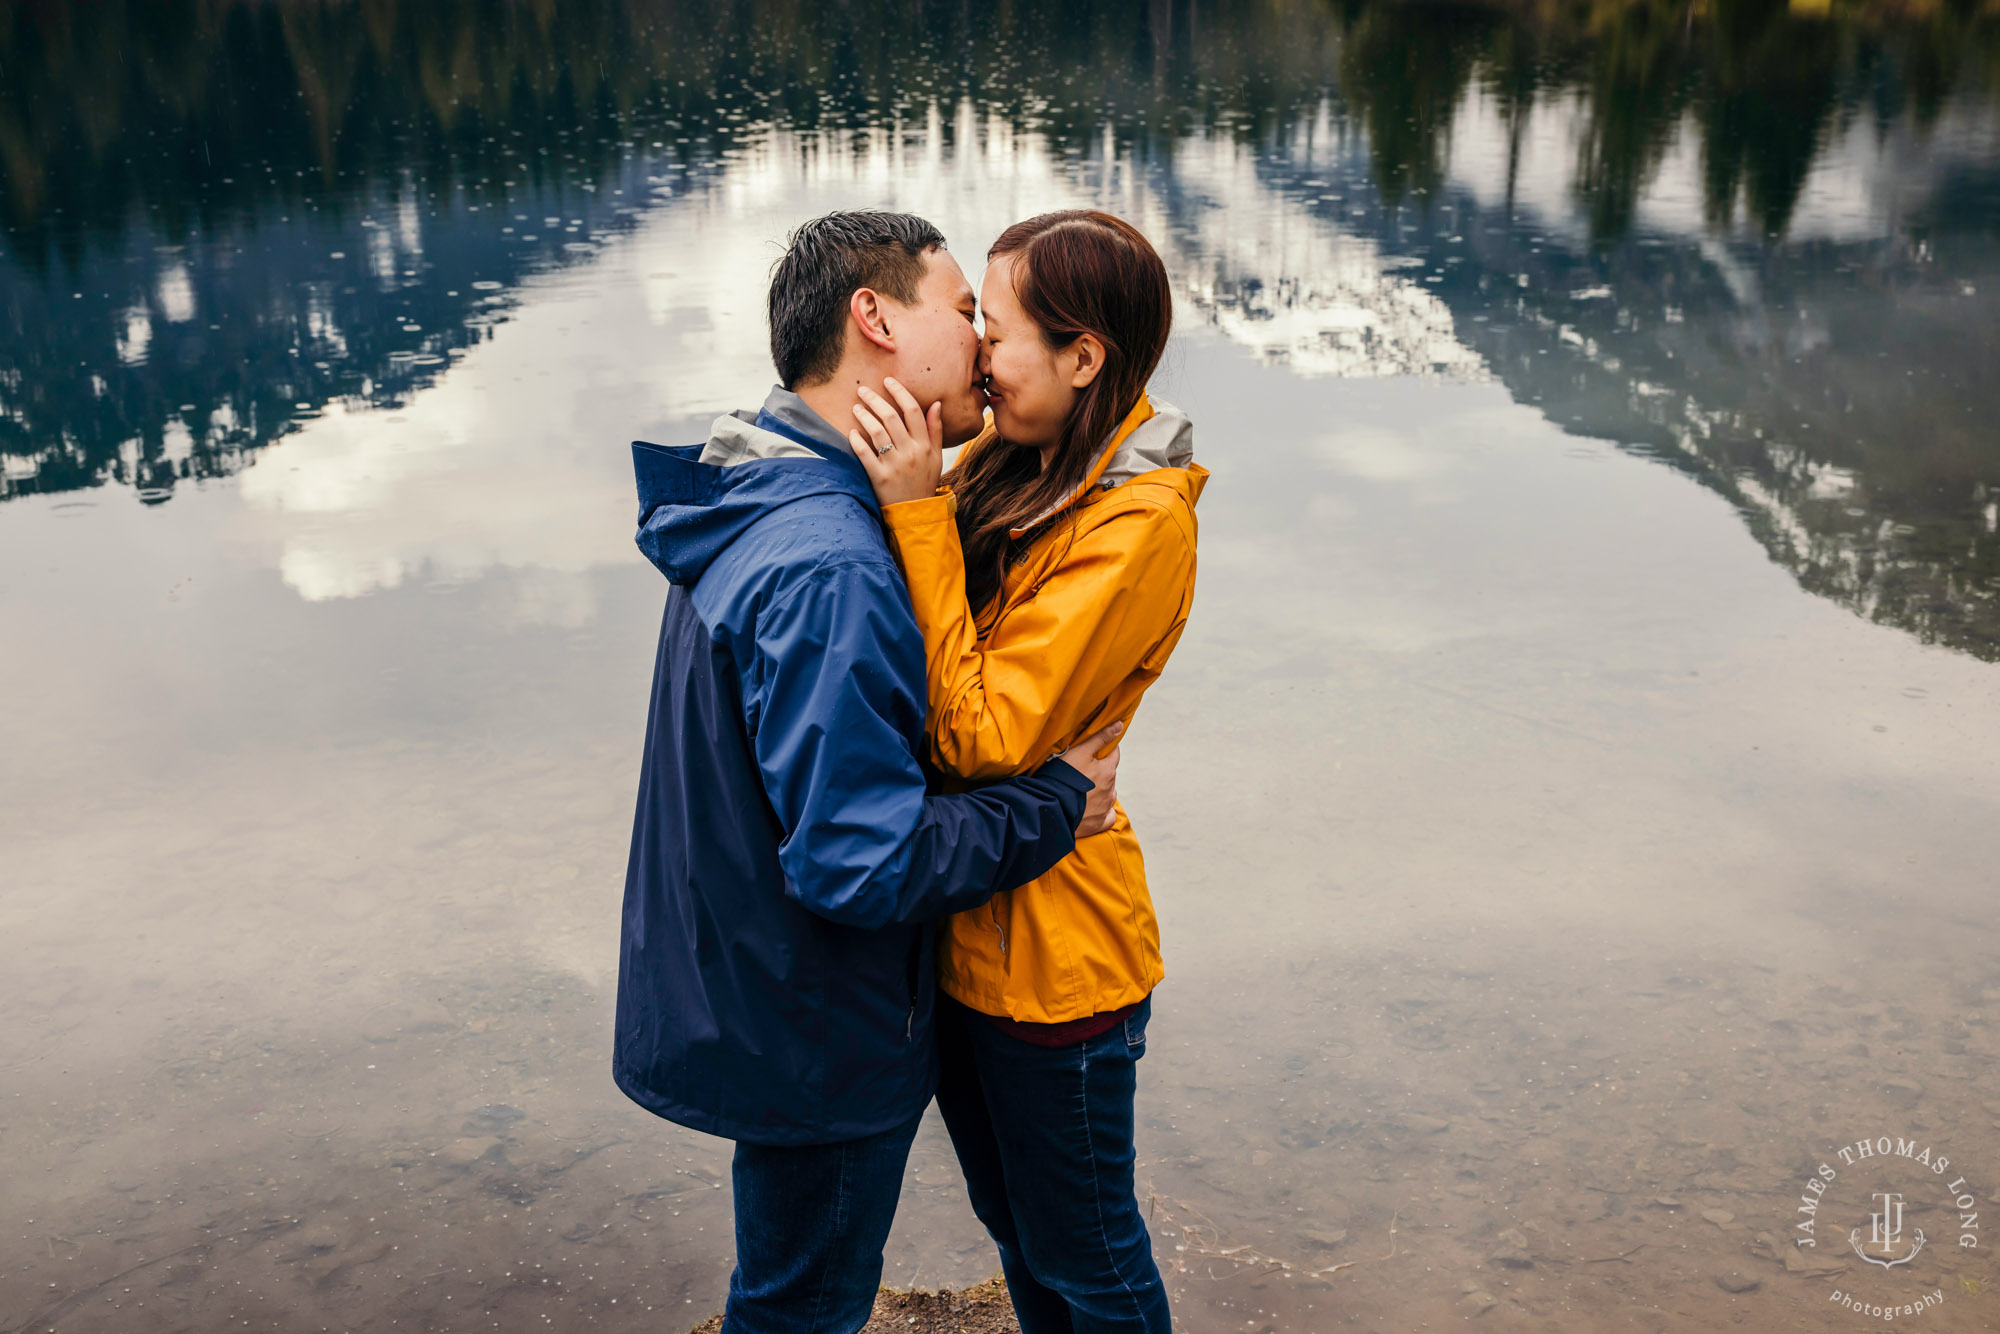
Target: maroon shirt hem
column 1064, row 1034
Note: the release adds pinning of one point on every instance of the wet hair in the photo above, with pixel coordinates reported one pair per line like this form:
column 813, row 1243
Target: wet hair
column 825, row 262
column 1078, row 271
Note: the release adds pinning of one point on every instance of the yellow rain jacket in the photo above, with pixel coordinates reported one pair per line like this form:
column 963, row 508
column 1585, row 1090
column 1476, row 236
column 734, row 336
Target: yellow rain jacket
column 1085, row 622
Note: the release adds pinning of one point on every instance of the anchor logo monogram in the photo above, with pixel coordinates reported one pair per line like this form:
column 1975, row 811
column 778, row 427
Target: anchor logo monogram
column 1886, row 1231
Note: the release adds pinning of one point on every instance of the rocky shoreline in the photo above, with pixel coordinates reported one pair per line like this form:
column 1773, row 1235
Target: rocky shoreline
column 980, row 1309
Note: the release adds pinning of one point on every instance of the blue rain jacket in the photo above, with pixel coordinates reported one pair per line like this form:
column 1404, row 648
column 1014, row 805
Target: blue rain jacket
column 775, row 977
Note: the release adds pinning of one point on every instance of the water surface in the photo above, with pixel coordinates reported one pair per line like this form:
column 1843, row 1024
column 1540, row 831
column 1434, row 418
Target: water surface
column 1570, row 810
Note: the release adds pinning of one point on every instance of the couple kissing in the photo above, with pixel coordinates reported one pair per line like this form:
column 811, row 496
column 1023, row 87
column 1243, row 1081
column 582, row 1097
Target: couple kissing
column 878, row 856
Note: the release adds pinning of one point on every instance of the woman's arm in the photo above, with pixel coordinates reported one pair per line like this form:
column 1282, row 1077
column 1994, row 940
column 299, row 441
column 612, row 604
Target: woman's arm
column 1047, row 673
column 1114, row 604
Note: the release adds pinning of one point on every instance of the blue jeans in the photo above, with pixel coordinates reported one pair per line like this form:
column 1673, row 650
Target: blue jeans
column 1044, row 1136
column 810, row 1224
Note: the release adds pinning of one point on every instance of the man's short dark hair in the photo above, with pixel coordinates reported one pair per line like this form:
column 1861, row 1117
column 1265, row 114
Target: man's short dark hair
column 825, row 261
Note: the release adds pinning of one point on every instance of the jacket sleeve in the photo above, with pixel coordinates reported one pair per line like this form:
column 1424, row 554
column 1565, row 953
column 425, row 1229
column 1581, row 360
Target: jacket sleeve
column 834, row 697
column 1119, row 595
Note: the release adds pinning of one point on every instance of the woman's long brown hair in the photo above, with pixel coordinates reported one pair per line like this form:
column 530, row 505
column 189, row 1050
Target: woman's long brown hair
column 1075, row 272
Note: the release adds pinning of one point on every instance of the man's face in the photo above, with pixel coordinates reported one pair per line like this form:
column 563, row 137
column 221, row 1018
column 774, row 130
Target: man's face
column 937, row 347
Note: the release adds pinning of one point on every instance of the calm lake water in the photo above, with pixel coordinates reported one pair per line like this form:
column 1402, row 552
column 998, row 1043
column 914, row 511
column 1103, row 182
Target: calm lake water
column 1574, row 810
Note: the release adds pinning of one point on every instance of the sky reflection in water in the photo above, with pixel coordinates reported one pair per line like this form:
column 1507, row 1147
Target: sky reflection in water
column 1529, row 846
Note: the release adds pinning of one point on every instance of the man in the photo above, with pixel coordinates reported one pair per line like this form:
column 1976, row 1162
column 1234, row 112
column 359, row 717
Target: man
column 775, row 978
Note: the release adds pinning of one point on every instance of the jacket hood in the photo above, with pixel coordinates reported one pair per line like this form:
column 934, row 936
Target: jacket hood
column 694, row 500
column 1163, row 440
column 1154, row 435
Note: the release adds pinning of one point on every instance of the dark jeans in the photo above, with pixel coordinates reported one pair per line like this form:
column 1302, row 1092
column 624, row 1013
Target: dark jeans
column 810, row 1223
column 1044, row 1136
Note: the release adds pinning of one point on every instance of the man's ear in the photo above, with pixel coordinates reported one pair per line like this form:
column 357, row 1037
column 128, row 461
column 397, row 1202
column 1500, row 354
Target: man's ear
column 870, row 314
column 1088, row 354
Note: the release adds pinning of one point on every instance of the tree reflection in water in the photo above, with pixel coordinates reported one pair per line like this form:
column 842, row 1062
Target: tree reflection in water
column 221, row 218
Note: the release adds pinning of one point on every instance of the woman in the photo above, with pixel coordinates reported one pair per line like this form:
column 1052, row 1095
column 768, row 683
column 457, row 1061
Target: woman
column 1051, row 575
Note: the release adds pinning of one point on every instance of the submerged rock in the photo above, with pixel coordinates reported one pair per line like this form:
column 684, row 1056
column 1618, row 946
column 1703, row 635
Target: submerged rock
column 1809, row 1267
column 1902, row 1092
column 495, row 1119
column 465, row 1152
column 1513, row 1250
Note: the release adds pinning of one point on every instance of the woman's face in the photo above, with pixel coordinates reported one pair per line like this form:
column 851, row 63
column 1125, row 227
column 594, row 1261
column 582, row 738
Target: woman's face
column 1030, row 386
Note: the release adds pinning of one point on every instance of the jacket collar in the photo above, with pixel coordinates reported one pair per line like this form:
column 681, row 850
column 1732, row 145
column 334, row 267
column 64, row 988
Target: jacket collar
column 787, row 413
column 1155, row 434
column 695, row 500
column 783, row 428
